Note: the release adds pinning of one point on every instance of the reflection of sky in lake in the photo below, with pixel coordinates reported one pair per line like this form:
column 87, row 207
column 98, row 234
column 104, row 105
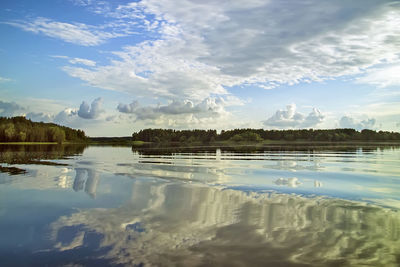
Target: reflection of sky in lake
column 114, row 206
column 353, row 175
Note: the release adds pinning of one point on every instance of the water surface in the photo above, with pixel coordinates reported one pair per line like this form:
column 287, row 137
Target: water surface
column 270, row 206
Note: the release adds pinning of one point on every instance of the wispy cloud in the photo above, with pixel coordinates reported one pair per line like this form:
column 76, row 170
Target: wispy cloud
column 83, row 61
column 81, row 2
column 132, row 10
column 3, row 79
column 76, row 60
column 203, row 48
column 192, row 51
column 383, row 76
column 76, row 33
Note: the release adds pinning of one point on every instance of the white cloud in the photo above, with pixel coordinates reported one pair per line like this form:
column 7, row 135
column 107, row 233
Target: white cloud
column 198, row 227
column 290, row 182
column 251, row 39
column 47, row 110
column 195, row 50
column 91, row 112
column 318, row 183
column 290, row 118
column 76, row 33
column 128, row 108
column 113, row 118
column 285, row 118
column 76, row 60
column 39, row 116
column 59, row 56
column 68, row 116
column 161, row 68
column 205, row 47
column 382, row 77
column 9, row 109
column 180, row 112
column 3, row 80
column 349, row 122
column 65, row 116
column 81, row 2
column 82, row 61
column 208, row 113
column 314, row 117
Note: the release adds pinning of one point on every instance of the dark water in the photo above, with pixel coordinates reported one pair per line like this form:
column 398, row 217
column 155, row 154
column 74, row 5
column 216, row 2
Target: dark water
column 272, row 206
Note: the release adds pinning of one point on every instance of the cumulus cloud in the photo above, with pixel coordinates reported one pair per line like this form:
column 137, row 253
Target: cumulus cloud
column 210, row 112
column 290, row 118
column 48, row 111
column 182, row 107
column 209, row 107
column 65, row 115
column 349, row 122
column 194, row 50
column 285, row 118
column 314, row 117
column 39, row 116
column 9, row 109
column 91, row 112
column 128, row 108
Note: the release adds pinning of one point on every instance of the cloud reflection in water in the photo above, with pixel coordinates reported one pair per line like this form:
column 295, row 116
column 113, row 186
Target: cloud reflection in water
column 165, row 222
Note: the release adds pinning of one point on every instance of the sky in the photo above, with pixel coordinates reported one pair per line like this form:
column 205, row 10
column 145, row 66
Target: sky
column 114, row 67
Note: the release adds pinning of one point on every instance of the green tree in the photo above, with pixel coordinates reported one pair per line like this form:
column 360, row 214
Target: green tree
column 9, row 132
column 57, row 135
column 237, row 138
column 22, row 136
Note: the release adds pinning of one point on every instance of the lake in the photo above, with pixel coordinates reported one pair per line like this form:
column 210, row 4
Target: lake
column 278, row 205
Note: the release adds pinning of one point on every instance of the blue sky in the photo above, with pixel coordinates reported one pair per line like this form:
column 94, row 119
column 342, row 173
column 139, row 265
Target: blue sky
column 114, row 67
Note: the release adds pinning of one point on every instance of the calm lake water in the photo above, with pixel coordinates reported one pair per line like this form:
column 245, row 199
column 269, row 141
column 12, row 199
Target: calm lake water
column 271, row 206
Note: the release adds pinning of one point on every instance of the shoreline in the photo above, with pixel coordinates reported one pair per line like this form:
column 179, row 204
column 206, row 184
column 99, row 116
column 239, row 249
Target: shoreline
column 213, row 144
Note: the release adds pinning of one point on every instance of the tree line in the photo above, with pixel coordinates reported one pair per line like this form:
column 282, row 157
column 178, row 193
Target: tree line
column 20, row 129
column 258, row 135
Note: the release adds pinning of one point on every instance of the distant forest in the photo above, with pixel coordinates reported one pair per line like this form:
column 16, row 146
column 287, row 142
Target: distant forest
column 258, row 135
column 20, row 129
